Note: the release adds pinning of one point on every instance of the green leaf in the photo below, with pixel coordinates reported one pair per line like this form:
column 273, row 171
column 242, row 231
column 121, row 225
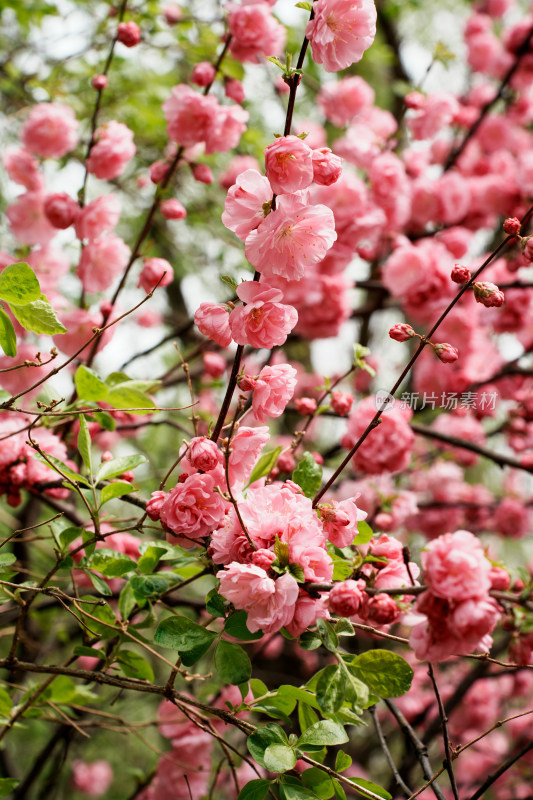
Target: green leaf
column 308, row 475
column 330, row 640
column 126, row 601
column 68, row 535
column 340, row 794
column 342, row 569
column 7, row 785
column 38, row 316
column 6, row 559
column 342, row 761
column 370, row 789
column 92, row 652
column 8, row 338
column 134, row 666
column 88, row 536
column 214, row 604
column 279, row 758
column 296, row 693
column 305, row 5
column 364, row 533
column 385, row 673
column 127, row 397
column 58, row 466
column 258, row 688
column 6, row 703
column 306, row 716
column 191, row 640
column 19, row 284
column 88, row 385
column 264, row 465
column 323, row 733
column 319, row 781
column 116, row 489
column 330, row 690
column 229, row 281
column 84, row 443
column 105, row 420
column 292, row 789
column 262, row 738
column 254, row 790
column 150, row 558
column 115, row 467
column 343, row 627
column 111, row 563
column 150, row 587
column 235, row 626
column 232, row 663
column 309, row 641
column 105, row 615
column 62, row 690
column 99, row 584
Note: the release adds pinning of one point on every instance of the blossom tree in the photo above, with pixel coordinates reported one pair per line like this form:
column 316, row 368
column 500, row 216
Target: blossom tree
column 266, row 401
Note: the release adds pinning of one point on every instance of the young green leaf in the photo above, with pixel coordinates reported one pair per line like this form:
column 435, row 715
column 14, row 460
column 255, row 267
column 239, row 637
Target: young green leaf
column 110, row 469
column 370, row 789
column 126, row 601
column 279, row 758
column 235, row 626
column 88, row 385
column 292, row 788
column 8, row 339
column 232, row 663
column 254, row 790
column 264, row 465
column 330, row 689
column 19, row 284
column 191, row 640
column 308, row 475
column 111, row 563
column 84, row 443
column 319, row 781
column 38, row 316
column 262, row 738
column 134, row 666
column 117, row 489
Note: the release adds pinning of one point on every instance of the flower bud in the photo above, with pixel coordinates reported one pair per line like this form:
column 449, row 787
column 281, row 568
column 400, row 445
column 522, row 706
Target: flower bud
column 286, row 462
column 263, row 558
column 305, row 405
column 214, row 364
column 235, row 90
column 446, row 352
column 61, row 210
column 99, row 82
column 203, row 453
column 202, row 173
column 382, row 609
column 346, row 597
column 203, row 73
column 247, row 383
column 460, row 274
column 158, row 171
column 128, row 33
column 173, row 209
column 512, row 226
column 401, row 332
column 341, row 403
column 488, row 294
column 153, row 506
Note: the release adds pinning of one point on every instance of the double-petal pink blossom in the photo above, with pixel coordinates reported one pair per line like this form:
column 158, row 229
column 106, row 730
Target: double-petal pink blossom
column 50, row 131
column 291, row 238
column 243, row 209
column 264, row 321
column 341, row 31
column 212, row 319
column 192, row 509
column 113, row 149
column 270, row 604
column 289, row 164
column 274, row 388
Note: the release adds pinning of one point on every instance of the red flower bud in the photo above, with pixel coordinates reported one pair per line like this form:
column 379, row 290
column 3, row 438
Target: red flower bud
column 446, row 352
column 401, row 332
column 128, row 33
column 488, row 294
column 460, row 274
column 512, row 226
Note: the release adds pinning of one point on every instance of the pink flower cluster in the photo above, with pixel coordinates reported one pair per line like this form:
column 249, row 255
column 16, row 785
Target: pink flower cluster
column 112, row 151
column 460, row 614
column 194, row 118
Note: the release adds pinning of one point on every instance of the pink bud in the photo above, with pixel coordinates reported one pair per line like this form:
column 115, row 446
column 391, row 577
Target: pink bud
column 512, row 226
column 460, row 274
column 384, row 521
column 203, row 73
column 401, row 332
column 488, row 294
column 414, row 100
column 158, row 171
column 172, row 13
column 99, row 82
column 527, row 460
column 235, row 90
column 61, row 210
column 214, row 364
column 318, row 458
column 345, row 598
column 499, row 579
column 127, row 476
column 305, row 405
column 528, row 249
column 446, row 352
column 263, row 558
column 107, row 455
column 327, row 167
column 173, row 209
column 202, row 173
column 203, row 453
column 382, row 609
column 286, row 462
column 341, row 403
column 128, row 33
column 153, row 506
column 247, row 383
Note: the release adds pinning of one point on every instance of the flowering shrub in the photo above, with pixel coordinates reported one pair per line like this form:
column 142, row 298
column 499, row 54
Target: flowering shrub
column 236, row 553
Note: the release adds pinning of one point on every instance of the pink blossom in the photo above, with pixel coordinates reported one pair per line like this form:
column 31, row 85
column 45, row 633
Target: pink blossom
column 23, row 168
column 192, row 509
column 113, row 149
column 455, row 566
column 61, row 210
column 288, row 164
column 327, row 167
column 264, row 321
column 226, row 129
column 245, row 448
column 202, row 173
column 345, row 598
column 154, row 270
column 203, row 454
column 234, row 89
column 270, row 604
column 91, row 779
column 128, row 33
column 189, row 115
column 98, row 218
column 306, row 613
column 315, row 562
column 203, row 73
column 340, row 521
column 255, row 32
column 243, row 208
column 341, row 403
column 172, row 13
column 341, row 31
column 237, row 166
column 28, row 221
column 274, row 388
column 79, row 324
column 382, row 609
column 212, row 319
column 388, row 447
column 291, row 238
column 102, row 262
column 434, row 113
column 153, row 506
column 341, row 101
column 214, row 364
column 50, row 130
column 173, row 209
